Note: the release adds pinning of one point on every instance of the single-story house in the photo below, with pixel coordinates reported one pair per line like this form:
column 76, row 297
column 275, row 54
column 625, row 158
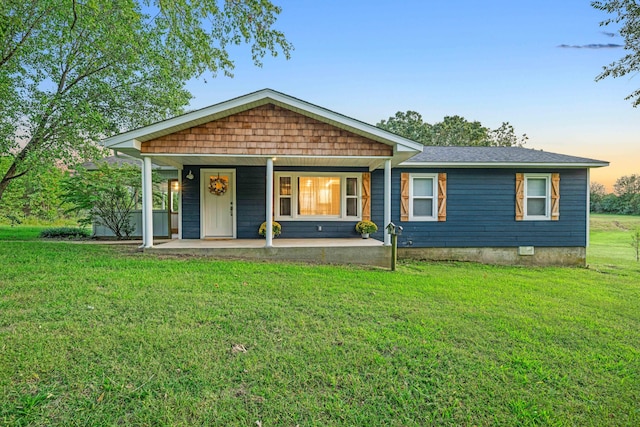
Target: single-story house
column 267, row 156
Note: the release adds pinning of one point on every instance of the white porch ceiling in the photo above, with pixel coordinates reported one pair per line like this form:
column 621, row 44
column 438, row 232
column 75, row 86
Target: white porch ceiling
column 179, row 161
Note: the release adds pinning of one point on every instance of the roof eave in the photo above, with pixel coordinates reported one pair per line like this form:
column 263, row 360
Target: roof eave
column 127, row 144
column 469, row 165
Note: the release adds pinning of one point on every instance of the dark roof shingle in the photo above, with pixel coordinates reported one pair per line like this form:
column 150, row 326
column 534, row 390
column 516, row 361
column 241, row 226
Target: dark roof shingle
column 497, row 155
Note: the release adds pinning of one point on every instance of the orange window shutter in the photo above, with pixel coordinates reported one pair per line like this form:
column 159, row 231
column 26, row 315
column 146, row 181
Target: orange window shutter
column 555, row 196
column 519, row 196
column 442, row 197
column 366, row 196
column 404, row 197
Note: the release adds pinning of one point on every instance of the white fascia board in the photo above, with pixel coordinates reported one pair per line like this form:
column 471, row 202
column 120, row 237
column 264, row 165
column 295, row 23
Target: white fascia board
column 381, row 135
column 128, row 143
column 172, row 125
column 253, row 100
column 170, row 164
column 131, row 152
column 501, row 165
column 185, row 119
column 406, row 148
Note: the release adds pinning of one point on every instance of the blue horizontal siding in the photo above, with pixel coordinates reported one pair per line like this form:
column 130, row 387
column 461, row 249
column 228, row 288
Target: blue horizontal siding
column 481, row 211
column 250, row 206
column 191, row 203
column 250, row 192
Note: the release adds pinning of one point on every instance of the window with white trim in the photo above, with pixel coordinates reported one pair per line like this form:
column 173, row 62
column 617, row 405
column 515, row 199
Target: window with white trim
column 318, row 195
column 537, row 196
column 423, row 197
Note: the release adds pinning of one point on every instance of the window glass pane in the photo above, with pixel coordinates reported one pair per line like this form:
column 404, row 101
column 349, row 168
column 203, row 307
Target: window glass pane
column 352, row 186
column 536, row 187
column 422, row 207
column 319, row 195
column 423, row 187
column 352, row 206
column 285, row 185
column 285, row 206
column 175, row 202
column 536, row 207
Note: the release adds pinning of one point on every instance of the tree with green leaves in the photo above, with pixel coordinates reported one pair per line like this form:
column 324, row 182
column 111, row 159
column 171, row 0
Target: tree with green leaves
column 33, row 196
column 106, row 196
column 505, row 136
column 456, row 130
column 627, row 189
column 624, row 200
column 627, row 185
column 73, row 72
column 597, row 193
column 409, row 125
column 626, row 15
column 452, row 131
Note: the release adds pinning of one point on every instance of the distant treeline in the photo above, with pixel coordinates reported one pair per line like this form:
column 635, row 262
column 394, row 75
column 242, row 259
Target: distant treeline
column 624, row 200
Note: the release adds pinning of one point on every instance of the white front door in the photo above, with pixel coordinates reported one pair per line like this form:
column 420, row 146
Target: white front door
column 218, row 203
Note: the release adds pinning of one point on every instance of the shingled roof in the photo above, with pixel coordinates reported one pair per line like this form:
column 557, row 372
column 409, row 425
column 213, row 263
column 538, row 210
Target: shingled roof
column 496, row 156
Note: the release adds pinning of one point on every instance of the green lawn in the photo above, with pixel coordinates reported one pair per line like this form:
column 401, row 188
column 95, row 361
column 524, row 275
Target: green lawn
column 21, row 232
column 102, row 335
column 611, row 240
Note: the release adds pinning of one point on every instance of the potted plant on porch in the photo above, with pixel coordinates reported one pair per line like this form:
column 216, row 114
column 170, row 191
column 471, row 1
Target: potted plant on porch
column 365, row 228
column 276, row 229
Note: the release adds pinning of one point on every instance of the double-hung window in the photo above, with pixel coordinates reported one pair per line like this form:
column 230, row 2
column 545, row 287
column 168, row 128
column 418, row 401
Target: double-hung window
column 315, row 195
column 537, row 196
column 285, row 193
column 423, row 197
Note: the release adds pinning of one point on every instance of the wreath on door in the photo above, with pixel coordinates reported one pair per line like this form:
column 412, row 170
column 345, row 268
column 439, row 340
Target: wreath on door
column 217, row 186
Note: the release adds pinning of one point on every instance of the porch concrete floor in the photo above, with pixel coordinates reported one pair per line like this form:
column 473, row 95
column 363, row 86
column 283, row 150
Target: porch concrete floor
column 259, row 243
column 322, row 251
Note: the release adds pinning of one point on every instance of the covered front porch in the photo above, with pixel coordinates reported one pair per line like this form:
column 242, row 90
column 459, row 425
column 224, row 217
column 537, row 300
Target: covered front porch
column 319, row 250
column 268, row 157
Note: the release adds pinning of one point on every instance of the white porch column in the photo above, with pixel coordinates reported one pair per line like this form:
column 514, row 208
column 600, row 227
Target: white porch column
column 147, row 207
column 269, row 210
column 144, row 204
column 387, row 201
column 180, row 204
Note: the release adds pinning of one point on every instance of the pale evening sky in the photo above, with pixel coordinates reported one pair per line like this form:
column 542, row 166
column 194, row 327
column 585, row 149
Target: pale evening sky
column 491, row 61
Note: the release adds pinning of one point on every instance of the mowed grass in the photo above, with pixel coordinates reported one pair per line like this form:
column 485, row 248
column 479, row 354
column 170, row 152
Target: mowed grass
column 21, row 232
column 611, row 240
column 104, row 335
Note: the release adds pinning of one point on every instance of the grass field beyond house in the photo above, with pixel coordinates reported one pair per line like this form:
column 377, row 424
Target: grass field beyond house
column 97, row 335
column 611, row 240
